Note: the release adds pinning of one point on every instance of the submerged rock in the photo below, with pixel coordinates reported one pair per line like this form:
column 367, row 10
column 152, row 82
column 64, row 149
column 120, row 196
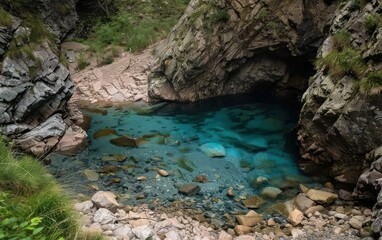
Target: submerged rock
column 271, row 192
column 213, row 149
column 127, row 141
column 253, row 202
column 189, row 189
column 104, row 132
column 91, row 175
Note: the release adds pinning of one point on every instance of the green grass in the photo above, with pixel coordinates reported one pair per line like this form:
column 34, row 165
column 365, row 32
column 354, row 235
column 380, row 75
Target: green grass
column 82, row 62
column 32, row 204
column 372, row 83
column 136, row 24
column 339, row 63
column 341, row 39
column 5, row 19
column 371, row 22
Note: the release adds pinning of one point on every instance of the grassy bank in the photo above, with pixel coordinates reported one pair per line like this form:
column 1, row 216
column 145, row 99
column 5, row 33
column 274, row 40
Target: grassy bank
column 32, row 204
column 131, row 26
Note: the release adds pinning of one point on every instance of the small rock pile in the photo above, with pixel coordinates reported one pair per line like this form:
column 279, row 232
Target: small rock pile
column 308, row 219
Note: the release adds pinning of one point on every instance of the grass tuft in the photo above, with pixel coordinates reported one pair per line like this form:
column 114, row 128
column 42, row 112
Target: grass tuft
column 5, row 19
column 372, row 83
column 340, row 63
column 371, row 22
column 31, row 197
column 82, row 62
column 342, row 40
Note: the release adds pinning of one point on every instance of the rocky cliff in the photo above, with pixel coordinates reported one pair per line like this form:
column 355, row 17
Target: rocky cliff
column 34, row 85
column 236, row 46
column 342, row 114
column 230, row 47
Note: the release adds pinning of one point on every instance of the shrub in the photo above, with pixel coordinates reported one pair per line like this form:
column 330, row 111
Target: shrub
column 372, row 83
column 82, row 62
column 5, row 19
column 340, row 63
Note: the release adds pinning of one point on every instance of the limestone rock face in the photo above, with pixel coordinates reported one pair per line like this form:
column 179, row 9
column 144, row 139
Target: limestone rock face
column 339, row 123
column 229, row 47
column 34, row 86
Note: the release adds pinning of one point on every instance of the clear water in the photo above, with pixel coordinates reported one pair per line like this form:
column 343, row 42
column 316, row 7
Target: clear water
column 256, row 134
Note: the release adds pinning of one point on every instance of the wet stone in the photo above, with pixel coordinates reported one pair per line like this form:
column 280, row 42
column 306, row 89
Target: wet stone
column 189, row 189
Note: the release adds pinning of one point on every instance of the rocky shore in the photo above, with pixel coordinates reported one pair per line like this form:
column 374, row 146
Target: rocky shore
column 312, row 214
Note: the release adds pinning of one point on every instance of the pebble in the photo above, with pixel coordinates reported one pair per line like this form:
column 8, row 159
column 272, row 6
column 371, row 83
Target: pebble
column 141, row 223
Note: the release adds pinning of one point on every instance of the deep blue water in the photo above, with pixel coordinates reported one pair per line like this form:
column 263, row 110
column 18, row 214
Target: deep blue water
column 257, row 134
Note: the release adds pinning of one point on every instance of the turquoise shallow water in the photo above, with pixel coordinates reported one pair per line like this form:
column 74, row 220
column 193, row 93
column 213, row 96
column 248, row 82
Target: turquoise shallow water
column 257, row 137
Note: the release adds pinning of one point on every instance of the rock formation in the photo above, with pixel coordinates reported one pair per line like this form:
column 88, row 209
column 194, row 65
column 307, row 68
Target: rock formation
column 34, row 86
column 341, row 123
column 230, row 47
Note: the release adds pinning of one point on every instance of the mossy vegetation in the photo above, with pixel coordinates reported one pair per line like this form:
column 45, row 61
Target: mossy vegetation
column 136, row 24
column 32, row 204
column 5, row 19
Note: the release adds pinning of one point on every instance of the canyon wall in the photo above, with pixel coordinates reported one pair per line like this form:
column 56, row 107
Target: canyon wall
column 236, row 46
column 230, row 47
column 34, row 85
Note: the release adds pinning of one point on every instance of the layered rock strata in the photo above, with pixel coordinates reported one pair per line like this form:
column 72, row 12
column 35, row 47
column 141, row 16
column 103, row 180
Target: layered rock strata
column 34, row 86
column 340, row 122
column 230, row 47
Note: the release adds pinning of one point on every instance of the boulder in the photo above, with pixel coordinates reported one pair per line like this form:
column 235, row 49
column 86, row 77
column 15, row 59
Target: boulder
column 250, row 220
column 295, row 217
column 73, row 141
column 123, row 231
column 84, row 207
column 104, row 216
column 142, row 232
column 303, row 203
column 242, row 230
column 213, row 149
column 271, row 192
column 223, row 235
column 105, row 200
column 321, row 197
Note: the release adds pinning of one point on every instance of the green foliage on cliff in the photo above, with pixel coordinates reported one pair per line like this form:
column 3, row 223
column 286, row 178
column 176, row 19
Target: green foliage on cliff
column 339, row 63
column 32, row 204
column 5, row 19
column 136, row 24
column 371, row 22
column 341, row 40
column 372, row 83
